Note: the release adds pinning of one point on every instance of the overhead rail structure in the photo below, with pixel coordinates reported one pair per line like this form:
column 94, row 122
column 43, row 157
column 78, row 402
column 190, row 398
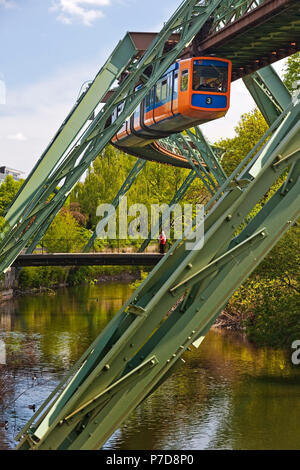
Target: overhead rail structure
column 177, row 303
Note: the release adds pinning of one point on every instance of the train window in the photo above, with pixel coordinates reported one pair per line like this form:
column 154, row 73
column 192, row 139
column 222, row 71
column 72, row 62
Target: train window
column 184, row 80
column 211, row 77
column 120, row 109
column 149, row 99
column 158, row 92
column 176, row 82
column 164, row 89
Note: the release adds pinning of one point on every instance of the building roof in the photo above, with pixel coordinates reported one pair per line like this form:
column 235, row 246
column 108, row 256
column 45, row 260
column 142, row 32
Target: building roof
column 3, row 168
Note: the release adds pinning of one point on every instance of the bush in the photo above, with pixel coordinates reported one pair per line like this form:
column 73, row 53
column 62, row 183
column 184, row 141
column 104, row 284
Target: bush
column 44, row 276
column 268, row 303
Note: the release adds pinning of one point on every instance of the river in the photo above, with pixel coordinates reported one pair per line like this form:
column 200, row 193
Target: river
column 228, row 395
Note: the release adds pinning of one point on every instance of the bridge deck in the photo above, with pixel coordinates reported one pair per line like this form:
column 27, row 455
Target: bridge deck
column 88, row 259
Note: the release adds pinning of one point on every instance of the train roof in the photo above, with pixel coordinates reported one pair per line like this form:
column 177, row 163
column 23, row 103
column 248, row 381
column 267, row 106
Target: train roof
column 171, row 68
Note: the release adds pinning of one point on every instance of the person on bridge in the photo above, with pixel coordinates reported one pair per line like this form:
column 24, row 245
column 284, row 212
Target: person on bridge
column 162, row 242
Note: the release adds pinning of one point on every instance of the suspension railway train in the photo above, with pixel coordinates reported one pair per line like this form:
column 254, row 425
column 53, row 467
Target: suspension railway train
column 191, row 92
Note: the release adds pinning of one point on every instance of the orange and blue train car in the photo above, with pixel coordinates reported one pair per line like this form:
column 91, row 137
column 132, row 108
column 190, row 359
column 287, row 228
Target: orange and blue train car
column 191, row 92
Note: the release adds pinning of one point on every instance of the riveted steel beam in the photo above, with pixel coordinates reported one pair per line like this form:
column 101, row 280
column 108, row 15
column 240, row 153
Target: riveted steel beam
column 159, row 320
column 269, row 93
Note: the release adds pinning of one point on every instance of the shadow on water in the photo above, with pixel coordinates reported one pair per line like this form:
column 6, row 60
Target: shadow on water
column 228, row 395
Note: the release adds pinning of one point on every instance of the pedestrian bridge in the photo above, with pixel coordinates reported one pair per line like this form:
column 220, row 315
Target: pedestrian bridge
column 88, row 259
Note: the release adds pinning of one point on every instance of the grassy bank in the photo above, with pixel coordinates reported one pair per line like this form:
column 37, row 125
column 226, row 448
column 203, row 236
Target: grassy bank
column 45, row 277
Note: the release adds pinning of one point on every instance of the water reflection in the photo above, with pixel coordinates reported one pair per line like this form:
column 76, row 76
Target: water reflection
column 228, row 394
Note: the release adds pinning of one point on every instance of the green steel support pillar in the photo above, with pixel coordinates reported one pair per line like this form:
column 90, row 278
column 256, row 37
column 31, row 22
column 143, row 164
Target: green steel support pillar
column 176, row 305
column 269, row 93
column 194, row 159
column 208, row 153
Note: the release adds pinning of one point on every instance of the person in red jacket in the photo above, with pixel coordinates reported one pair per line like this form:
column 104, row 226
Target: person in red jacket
column 162, row 242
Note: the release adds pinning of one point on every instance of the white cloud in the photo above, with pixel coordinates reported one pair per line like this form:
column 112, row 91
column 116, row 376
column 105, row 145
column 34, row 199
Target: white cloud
column 7, row 3
column 35, row 112
column 18, row 136
column 85, row 11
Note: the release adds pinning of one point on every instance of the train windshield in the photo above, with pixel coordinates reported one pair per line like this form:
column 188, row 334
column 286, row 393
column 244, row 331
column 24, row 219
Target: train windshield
column 210, row 77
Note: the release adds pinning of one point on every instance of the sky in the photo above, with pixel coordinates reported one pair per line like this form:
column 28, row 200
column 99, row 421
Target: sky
column 49, row 48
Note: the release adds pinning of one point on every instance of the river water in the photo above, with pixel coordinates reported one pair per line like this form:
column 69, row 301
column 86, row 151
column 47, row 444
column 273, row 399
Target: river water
column 228, row 395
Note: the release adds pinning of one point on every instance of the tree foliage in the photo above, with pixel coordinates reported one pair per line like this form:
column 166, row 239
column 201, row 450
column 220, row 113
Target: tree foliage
column 8, row 190
column 65, row 235
column 156, row 184
column 292, row 72
column 251, row 127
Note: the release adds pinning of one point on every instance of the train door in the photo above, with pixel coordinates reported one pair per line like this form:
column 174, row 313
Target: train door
column 184, row 86
column 174, row 102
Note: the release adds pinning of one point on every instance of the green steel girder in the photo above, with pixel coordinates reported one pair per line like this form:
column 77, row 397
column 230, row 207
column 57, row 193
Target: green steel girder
column 269, row 93
column 264, row 35
column 209, row 154
column 194, row 159
column 135, row 171
column 142, row 343
column 214, row 266
column 21, row 228
column 229, row 12
column 142, row 331
column 193, row 146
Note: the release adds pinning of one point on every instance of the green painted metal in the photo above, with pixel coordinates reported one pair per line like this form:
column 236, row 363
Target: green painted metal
column 231, row 12
column 135, row 171
column 262, row 42
column 36, row 213
column 269, row 93
column 80, row 418
column 194, row 147
column 195, row 161
column 209, row 153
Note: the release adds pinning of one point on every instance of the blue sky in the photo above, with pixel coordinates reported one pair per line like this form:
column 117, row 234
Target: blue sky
column 50, row 47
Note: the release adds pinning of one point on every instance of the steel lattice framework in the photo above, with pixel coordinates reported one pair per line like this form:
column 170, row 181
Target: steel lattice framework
column 181, row 298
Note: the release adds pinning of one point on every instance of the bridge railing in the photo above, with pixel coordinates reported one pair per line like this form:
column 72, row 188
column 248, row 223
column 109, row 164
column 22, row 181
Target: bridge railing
column 75, row 245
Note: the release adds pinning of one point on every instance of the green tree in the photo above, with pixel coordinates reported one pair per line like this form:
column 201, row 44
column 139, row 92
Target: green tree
column 102, row 182
column 292, row 72
column 251, row 127
column 8, row 190
column 156, row 184
column 65, row 235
